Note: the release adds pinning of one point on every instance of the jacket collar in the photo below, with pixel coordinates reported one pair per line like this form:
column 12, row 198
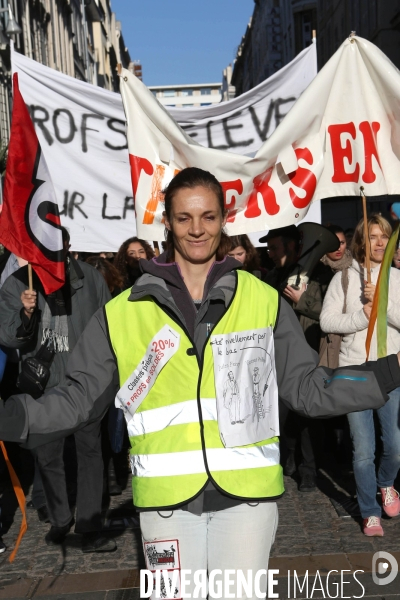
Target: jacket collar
column 164, row 282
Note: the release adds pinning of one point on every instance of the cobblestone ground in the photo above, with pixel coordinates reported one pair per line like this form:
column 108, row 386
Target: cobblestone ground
column 36, row 559
column 317, row 530
column 308, row 525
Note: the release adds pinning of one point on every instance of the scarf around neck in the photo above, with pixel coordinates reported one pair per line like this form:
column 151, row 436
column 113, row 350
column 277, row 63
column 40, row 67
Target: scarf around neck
column 55, row 320
column 341, row 264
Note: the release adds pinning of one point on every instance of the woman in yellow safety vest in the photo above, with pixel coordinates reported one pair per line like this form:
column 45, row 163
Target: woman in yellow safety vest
column 194, row 354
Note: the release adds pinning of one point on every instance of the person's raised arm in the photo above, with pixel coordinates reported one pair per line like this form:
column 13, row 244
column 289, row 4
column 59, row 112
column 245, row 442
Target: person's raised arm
column 18, row 314
column 321, row 392
column 90, row 387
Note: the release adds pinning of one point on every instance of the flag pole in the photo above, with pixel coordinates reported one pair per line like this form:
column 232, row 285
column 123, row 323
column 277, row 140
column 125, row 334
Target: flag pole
column 366, row 235
column 30, row 283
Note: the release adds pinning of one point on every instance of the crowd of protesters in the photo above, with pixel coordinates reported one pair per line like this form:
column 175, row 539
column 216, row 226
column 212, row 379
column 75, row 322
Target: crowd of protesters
column 333, row 310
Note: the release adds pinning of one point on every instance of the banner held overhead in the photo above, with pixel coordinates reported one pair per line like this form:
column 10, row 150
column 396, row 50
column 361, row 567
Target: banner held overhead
column 341, row 133
column 81, row 129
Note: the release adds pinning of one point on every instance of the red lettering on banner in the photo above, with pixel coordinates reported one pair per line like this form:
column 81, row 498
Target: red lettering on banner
column 138, row 165
column 261, row 184
column 304, row 179
column 155, row 195
column 370, row 131
column 227, row 186
column 339, row 153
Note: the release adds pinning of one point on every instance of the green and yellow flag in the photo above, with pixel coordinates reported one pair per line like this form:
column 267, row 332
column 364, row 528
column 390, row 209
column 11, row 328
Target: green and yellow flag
column 380, row 302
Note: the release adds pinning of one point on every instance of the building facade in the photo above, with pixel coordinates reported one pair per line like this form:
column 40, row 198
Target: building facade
column 228, row 90
column 201, row 94
column 277, row 31
column 377, row 21
column 80, row 38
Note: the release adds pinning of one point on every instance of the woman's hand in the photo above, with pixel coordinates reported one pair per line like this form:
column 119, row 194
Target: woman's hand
column 369, row 291
column 293, row 294
column 28, row 299
column 367, row 310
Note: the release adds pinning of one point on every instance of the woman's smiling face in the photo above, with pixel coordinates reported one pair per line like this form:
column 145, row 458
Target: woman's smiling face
column 196, row 223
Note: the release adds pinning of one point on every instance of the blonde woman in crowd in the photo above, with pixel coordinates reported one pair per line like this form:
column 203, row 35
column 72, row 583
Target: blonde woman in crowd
column 348, row 314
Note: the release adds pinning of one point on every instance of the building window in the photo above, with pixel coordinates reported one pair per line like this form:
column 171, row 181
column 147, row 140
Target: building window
column 187, row 93
column 169, row 93
column 206, row 104
column 205, row 91
column 170, row 105
column 188, row 105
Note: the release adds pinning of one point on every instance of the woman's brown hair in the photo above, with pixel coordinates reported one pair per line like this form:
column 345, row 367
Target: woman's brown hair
column 190, row 178
column 358, row 242
column 113, row 279
column 120, row 259
column 252, row 262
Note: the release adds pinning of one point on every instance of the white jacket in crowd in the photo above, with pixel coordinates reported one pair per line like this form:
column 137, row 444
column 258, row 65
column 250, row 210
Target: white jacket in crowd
column 353, row 324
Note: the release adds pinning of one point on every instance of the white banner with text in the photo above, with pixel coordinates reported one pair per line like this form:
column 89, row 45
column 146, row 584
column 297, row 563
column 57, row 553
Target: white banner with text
column 81, row 129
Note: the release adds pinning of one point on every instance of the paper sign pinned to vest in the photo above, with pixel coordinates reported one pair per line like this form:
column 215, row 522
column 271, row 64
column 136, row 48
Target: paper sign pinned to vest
column 135, row 389
column 246, row 387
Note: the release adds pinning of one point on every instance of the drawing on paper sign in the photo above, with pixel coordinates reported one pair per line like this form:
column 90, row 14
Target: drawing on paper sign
column 162, row 554
column 232, row 399
column 164, row 593
column 256, row 394
column 246, row 388
column 164, row 558
column 258, row 397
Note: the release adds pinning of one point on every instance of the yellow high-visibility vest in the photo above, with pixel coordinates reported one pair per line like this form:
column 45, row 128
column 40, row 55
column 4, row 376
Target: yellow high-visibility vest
column 174, row 435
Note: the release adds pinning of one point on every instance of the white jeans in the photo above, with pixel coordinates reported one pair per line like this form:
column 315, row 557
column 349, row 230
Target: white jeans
column 238, row 538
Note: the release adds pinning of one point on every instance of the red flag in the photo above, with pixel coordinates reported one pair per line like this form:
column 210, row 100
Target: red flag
column 30, row 221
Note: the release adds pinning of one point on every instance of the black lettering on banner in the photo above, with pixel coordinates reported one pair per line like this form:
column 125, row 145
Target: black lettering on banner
column 111, row 124
column 72, row 127
column 75, row 203
column 193, row 134
column 40, row 121
column 129, row 204
column 104, row 209
column 64, row 210
column 209, row 138
column 262, row 132
column 229, row 128
column 85, row 128
column 278, row 103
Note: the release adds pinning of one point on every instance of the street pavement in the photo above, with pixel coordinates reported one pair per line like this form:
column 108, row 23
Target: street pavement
column 315, row 533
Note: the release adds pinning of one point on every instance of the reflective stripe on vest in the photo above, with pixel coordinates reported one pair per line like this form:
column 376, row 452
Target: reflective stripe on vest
column 219, row 459
column 174, row 434
column 157, row 419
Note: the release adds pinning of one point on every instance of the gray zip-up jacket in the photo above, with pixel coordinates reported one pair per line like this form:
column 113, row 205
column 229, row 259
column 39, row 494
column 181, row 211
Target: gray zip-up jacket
column 92, row 374
column 87, row 292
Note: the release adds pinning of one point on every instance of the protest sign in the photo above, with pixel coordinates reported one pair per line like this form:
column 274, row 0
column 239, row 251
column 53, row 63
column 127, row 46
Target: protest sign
column 342, row 133
column 81, row 129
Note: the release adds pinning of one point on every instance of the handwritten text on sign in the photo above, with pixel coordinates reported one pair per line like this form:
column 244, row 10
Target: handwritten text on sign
column 135, row 389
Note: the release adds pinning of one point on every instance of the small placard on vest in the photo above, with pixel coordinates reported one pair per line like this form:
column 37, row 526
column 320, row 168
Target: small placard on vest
column 135, row 389
column 246, row 386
